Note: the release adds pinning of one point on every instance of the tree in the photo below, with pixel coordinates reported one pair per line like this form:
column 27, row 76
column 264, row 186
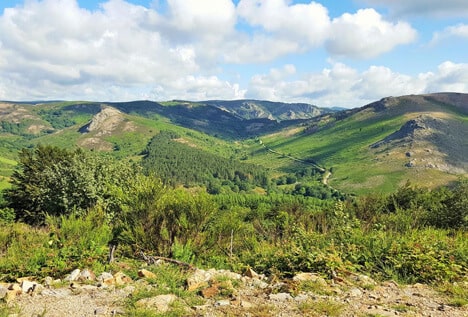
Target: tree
column 54, row 181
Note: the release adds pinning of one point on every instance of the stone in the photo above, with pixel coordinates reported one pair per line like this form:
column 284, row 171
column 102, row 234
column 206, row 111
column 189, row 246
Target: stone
column 310, row 277
column 259, row 284
column 11, row 295
column 86, row 275
column 24, row 278
column 280, row 297
column 159, row 303
column 251, row 273
column 15, row 287
column 48, row 281
column 105, row 279
column 301, row 298
column 198, row 279
column 223, row 302
column 246, row 304
column 355, row 292
column 146, row 274
column 73, row 276
column 211, row 291
column 100, row 311
column 228, row 274
column 3, row 292
column 121, row 278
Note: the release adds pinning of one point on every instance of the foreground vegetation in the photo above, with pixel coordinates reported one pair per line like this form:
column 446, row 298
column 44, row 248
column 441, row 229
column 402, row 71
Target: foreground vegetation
column 66, row 208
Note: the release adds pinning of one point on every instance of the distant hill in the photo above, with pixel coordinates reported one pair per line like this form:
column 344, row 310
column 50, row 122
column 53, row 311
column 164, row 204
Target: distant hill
column 421, row 138
column 376, row 147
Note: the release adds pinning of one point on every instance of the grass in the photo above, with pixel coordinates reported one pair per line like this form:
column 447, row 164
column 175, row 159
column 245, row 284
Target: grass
column 321, row 308
column 457, row 293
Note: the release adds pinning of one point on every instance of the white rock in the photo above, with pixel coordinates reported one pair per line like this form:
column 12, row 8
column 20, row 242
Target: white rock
column 73, row 275
column 3, row 292
column 223, row 302
column 160, row 303
column 355, row 292
column 280, row 297
column 28, row 287
column 87, row 275
column 258, row 283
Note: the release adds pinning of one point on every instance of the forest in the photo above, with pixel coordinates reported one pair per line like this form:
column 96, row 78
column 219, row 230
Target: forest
column 65, row 207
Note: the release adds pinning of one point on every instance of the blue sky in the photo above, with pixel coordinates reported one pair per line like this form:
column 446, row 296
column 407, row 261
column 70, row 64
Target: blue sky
column 330, row 53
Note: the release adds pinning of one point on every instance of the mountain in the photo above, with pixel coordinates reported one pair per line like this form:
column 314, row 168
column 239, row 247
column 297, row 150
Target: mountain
column 421, row 138
column 280, row 111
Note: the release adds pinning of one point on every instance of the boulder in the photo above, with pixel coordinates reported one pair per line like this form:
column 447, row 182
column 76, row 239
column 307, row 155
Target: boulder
column 198, row 279
column 310, row 277
column 146, row 274
column 73, row 276
column 3, row 292
column 121, row 278
column 86, row 275
column 280, row 297
column 158, row 303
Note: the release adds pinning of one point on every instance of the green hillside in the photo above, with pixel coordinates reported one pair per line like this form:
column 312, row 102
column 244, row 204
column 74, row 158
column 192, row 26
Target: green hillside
column 374, row 148
column 343, row 143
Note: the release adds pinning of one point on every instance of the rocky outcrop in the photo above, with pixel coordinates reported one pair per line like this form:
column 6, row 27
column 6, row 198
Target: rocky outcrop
column 222, row 293
column 105, row 122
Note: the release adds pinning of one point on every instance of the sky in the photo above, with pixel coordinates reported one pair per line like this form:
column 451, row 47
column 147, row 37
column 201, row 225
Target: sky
column 343, row 53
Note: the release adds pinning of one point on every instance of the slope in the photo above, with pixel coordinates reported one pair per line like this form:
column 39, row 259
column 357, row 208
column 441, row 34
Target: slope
column 381, row 145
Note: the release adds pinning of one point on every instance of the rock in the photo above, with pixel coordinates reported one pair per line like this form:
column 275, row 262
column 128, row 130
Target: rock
column 25, row 278
column 280, row 297
column 159, row 303
column 355, row 292
column 11, row 295
column 3, row 292
column 146, row 274
column 15, row 287
column 312, row 277
column 251, row 273
column 246, row 304
column 211, row 291
column 48, row 281
column 87, row 275
column 364, row 279
column 223, row 302
column 100, row 311
column 301, row 298
column 105, row 279
column 228, row 274
column 73, row 276
column 121, row 278
column 198, row 279
column 201, row 308
column 258, row 283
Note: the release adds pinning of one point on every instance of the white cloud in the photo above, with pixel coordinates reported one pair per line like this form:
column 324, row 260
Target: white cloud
column 306, row 23
column 202, row 15
column 454, row 8
column 449, row 77
column 344, row 86
column 365, row 34
column 460, row 30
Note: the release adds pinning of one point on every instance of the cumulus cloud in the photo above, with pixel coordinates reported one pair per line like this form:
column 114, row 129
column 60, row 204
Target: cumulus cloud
column 460, row 31
column 54, row 49
column 307, row 23
column 344, row 86
column 365, row 34
column 453, row 8
column 449, row 77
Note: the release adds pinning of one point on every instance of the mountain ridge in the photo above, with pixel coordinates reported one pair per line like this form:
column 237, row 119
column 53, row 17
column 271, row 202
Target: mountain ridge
column 361, row 145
